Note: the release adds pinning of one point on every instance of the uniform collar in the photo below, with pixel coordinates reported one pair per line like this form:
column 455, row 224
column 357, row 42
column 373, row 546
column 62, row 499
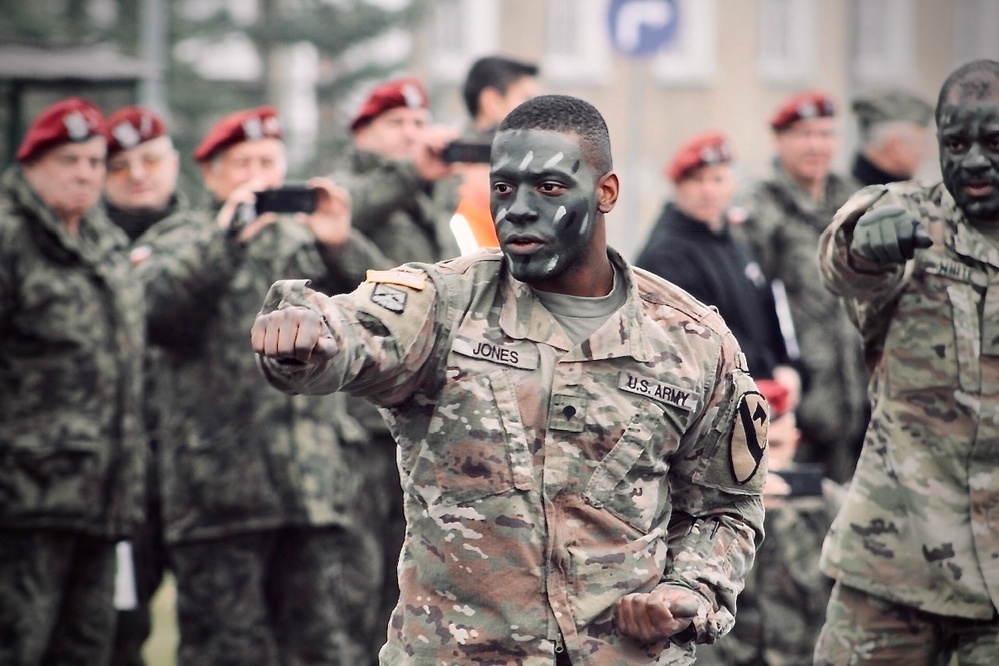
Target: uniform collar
column 523, row 317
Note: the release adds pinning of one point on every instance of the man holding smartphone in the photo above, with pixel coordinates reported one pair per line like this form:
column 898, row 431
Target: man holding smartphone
column 396, row 178
column 256, row 489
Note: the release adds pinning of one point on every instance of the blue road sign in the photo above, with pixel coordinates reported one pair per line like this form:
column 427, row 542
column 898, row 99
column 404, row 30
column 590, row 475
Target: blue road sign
column 641, row 27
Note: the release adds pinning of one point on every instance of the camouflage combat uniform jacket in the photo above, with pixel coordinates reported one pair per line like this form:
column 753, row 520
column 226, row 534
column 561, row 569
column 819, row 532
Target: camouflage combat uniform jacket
column 543, row 480
column 401, row 213
column 783, row 233
column 920, row 524
column 244, row 457
column 783, row 607
column 72, row 448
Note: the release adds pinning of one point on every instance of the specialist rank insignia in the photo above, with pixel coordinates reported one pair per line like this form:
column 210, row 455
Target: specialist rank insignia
column 749, row 437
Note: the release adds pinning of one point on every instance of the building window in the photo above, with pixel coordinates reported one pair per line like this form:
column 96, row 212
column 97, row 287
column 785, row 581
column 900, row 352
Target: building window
column 885, row 33
column 975, row 23
column 690, row 58
column 577, row 47
column 459, row 32
column 788, row 41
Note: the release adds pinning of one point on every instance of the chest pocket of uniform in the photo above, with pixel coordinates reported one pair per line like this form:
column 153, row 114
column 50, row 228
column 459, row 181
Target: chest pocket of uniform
column 941, row 342
column 630, row 480
column 476, row 444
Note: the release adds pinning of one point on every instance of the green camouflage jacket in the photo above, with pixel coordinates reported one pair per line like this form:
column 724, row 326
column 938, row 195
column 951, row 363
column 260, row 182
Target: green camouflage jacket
column 783, row 233
column 72, row 446
column 396, row 209
column 242, row 457
column 543, row 481
column 920, row 524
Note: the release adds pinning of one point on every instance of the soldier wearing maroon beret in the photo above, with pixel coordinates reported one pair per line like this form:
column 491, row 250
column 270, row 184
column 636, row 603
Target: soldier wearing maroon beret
column 257, row 491
column 787, row 212
column 398, row 186
column 692, row 246
column 72, row 449
column 140, row 190
column 143, row 167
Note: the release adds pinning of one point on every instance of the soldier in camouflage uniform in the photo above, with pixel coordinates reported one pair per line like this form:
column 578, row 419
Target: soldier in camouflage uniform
column 140, row 190
column 915, row 549
column 394, row 175
column 581, row 447
column 72, row 449
column 786, row 215
column 256, row 491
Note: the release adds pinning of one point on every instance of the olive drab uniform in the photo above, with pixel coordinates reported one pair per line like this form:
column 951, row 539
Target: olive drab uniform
column 72, row 444
column 149, row 555
column 246, row 461
column 920, row 525
column 391, row 205
column 783, row 233
column 546, row 480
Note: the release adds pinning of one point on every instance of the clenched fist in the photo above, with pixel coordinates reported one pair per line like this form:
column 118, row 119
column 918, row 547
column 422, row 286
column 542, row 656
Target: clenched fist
column 888, row 234
column 656, row 615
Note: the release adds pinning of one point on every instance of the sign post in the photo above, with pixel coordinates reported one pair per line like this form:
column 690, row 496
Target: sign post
column 638, row 29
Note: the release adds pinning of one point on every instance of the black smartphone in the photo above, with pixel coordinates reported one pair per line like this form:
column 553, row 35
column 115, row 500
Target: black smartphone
column 290, row 198
column 804, row 479
column 469, row 152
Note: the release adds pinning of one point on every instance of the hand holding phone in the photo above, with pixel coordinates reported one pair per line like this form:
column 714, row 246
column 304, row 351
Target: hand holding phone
column 290, row 198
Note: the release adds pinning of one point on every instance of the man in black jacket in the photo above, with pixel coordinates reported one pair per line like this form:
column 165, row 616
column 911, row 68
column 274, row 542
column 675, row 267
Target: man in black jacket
column 692, row 246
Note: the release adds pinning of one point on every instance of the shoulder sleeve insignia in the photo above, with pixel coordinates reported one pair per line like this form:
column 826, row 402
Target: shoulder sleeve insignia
column 749, row 437
column 389, row 297
column 402, row 278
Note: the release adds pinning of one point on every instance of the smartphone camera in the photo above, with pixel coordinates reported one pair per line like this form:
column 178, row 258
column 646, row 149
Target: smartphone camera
column 469, row 152
column 291, row 198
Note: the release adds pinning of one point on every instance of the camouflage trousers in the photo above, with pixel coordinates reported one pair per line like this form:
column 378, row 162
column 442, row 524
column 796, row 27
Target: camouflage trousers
column 864, row 629
column 56, row 598
column 290, row 597
column 379, row 507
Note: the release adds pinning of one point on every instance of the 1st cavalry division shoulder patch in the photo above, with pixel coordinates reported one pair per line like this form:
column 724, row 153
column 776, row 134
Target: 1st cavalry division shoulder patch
column 749, row 437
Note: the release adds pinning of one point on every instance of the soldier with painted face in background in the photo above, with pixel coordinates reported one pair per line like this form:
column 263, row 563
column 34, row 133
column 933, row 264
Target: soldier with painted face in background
column 915, row 549
column 72, row 446
column 256, row 490
column 581, row 446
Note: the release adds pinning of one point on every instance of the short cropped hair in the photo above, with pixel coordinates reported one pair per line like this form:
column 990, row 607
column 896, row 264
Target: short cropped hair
column 493, row 72
column 978, row 79
column 568, row 115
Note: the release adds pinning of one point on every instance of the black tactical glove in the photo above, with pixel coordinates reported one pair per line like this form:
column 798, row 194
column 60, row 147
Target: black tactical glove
column 888, row 234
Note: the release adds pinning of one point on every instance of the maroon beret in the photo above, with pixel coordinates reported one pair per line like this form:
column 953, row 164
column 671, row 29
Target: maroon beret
column 248, row 125
column 390, row 95
column 70, row 120
column 804, row 105
column 777, row 396
column 699, row 151
column 132, row 125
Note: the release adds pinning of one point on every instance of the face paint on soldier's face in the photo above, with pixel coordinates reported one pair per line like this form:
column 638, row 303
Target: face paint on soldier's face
column 544, row 201
column 968, row 135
